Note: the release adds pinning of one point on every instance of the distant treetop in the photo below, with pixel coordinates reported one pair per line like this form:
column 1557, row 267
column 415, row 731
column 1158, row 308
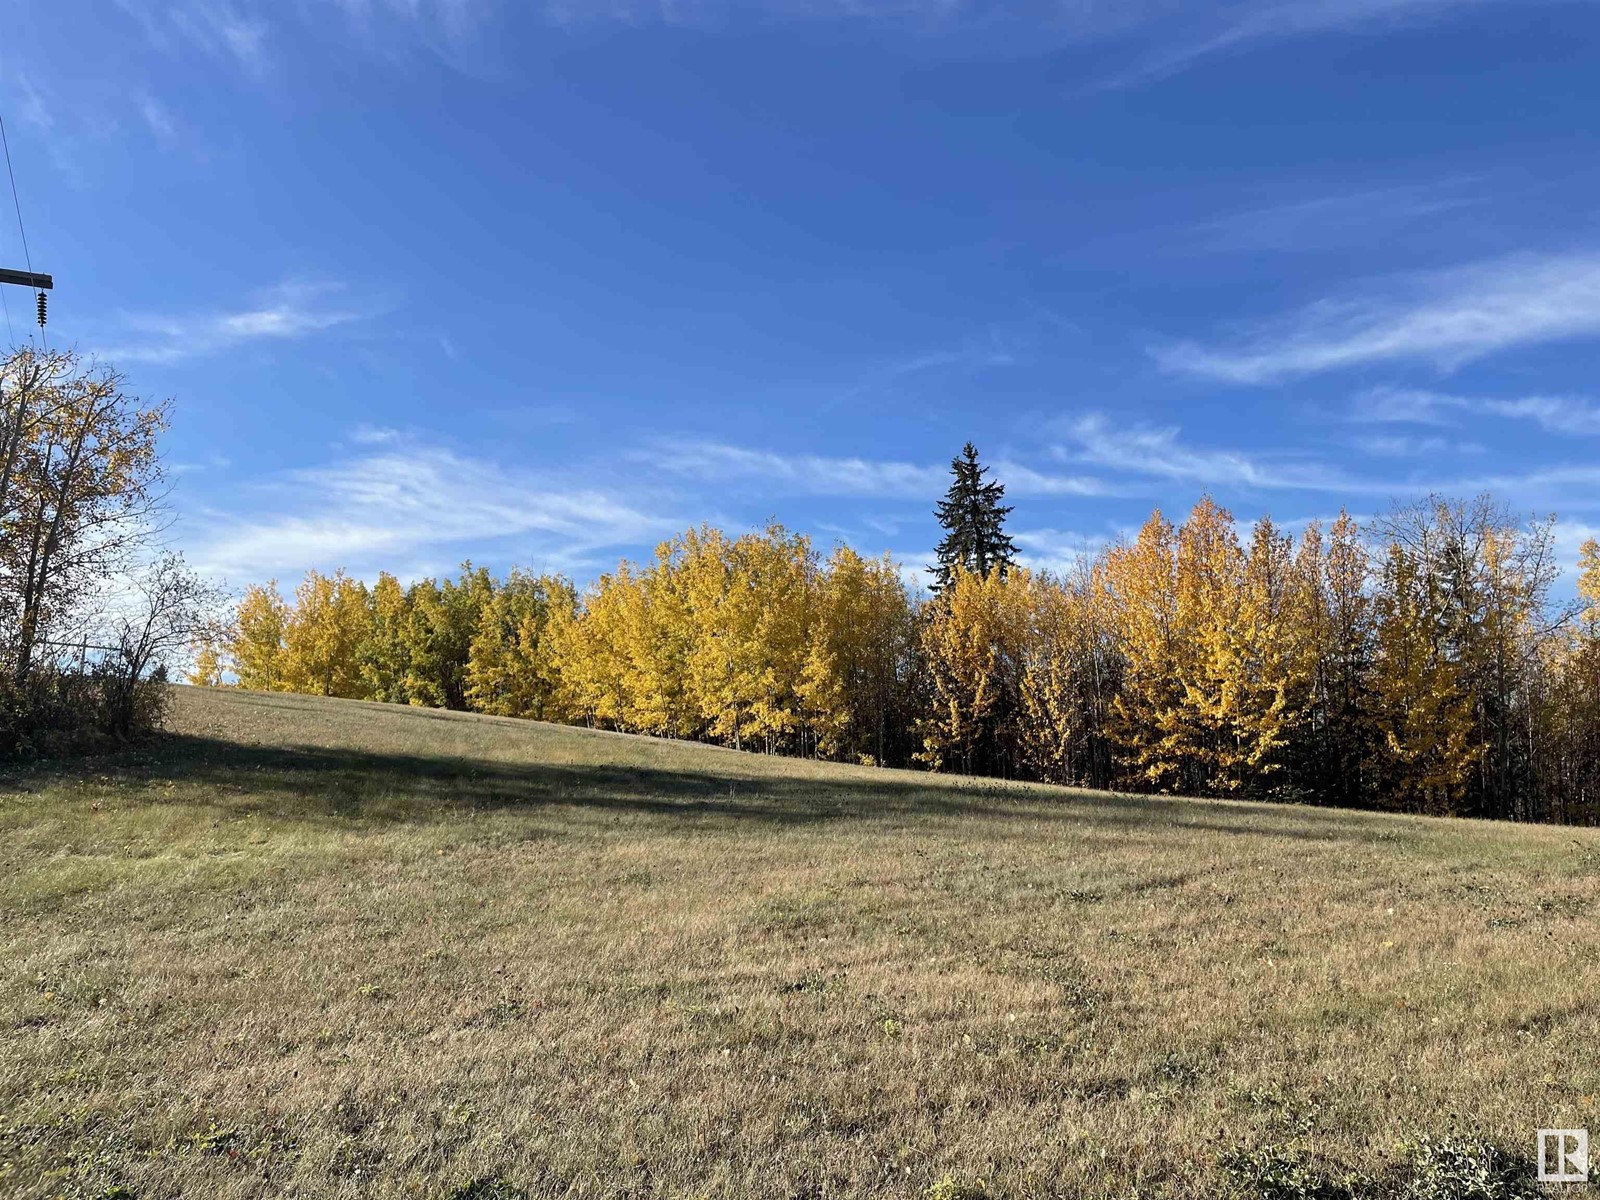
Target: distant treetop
column 973, row 514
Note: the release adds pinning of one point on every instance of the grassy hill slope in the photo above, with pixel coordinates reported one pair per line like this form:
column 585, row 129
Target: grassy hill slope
column 327, row 948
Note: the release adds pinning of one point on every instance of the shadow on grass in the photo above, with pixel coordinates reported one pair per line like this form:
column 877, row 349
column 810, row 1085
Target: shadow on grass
column 322, row 784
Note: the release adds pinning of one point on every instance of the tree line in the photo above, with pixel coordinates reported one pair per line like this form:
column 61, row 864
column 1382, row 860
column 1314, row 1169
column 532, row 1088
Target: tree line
column 1416, row 664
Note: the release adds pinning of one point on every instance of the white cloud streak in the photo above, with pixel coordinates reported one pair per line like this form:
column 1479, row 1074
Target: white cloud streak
column 253, row 36
column 819, row 475
column 218, row 28
column 1394, row 446
column 1240, row 26
column 1565, row 415
column 1406, row 406
column 1553, row 414
column 1447, row 318
column 411, row 504
column 283, row 313
column 1157, row 451
column 1055, row 549
column 1340, row 219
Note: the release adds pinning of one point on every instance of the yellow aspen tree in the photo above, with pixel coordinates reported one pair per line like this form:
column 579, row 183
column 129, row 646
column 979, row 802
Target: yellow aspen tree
column 881, row 684
column 508, row 662
column 1423, row 716
column 657, row 637
column 1090, row 671
column 775, row 578
column 1493, row 573
column 1211, row 667
column 255, row 643
column 206, row 670
column 833, row 658
column 330, row 621
column 441, row 619
column 719, row 633
column 423, row 685
column 1148, row 714
column 566, row 635
column 749, row 603
column 862, row 628
column 585, row 652
column 1052, row 686
column 1588, row 586
column 1571, row 718
column 1276, row 620
column 538, row 647
column 385, row 663
column 972, row 645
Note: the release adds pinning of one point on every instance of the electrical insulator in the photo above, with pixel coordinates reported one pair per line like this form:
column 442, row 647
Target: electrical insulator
column 41, row 310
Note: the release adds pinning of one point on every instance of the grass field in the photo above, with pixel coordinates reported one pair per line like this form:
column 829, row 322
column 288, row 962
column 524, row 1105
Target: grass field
column 324, row 948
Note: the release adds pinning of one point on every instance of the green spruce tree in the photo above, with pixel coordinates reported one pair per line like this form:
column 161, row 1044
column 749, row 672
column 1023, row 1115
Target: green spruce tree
column 972, row 513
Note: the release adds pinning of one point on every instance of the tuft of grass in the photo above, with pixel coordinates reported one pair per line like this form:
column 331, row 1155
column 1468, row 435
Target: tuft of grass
column 328, row 949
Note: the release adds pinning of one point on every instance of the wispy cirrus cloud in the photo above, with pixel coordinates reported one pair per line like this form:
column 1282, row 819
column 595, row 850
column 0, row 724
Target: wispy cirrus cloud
column 808, row 473
column 1554, row 414
column 254, row 35
column 159, row 119
column 1235, row 27
column 220, row 29
column 1058, row 549
column 1174, row 34
column 1334, row 219
column 414, row 503
column 450, row 20
column 821, row 475
column 1406, row 406
column 286, row 312
column 1446, row 318
column 1399, row 446
column 1159, row 451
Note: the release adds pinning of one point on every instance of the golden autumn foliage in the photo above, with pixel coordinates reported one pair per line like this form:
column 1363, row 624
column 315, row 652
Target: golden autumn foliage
column 973, row 642
column 323, row 636
column 510, row 672
column 861, row 657
column 744, row 641
column 1071, row 674
column 1432, row 676
column 1420, row 704
column 208, row 666
column 256, row 644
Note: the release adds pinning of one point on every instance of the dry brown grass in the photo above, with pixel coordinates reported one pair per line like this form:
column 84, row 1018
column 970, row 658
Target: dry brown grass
column 321, row 948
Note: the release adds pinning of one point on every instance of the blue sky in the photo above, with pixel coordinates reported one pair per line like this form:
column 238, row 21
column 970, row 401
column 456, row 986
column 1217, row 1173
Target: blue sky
column 541, row 283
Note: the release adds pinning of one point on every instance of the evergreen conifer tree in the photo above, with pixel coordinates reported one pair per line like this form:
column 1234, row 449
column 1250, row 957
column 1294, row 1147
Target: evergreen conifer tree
column 973, row 514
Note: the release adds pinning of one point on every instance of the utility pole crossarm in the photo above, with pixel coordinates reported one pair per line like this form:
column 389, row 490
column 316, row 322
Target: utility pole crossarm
column 27, row 279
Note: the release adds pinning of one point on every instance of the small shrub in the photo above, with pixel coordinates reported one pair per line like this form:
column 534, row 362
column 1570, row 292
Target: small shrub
column 1268, row 1174
column 951, row 1188
column 1466, row 1169
column 486, row 1187
column 56, row 713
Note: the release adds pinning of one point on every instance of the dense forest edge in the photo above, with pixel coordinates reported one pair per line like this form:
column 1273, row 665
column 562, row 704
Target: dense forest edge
column 1416, row 662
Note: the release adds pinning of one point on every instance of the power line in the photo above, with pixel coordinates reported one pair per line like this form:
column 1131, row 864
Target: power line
column 22, row 231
